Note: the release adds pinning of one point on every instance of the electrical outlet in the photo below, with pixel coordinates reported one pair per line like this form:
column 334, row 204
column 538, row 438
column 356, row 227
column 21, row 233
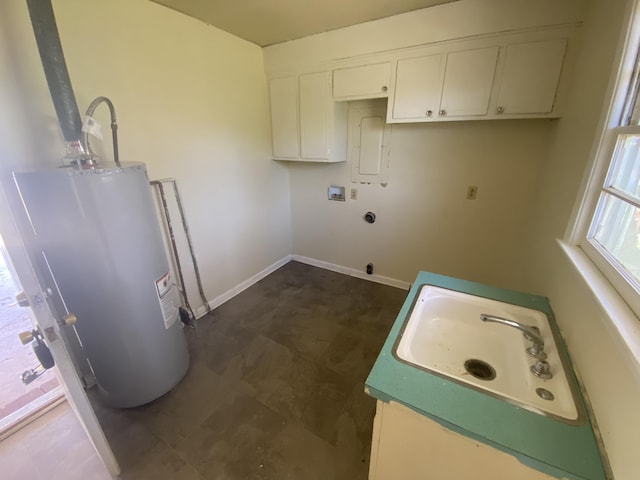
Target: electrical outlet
column 472, row 191
column 354, row 194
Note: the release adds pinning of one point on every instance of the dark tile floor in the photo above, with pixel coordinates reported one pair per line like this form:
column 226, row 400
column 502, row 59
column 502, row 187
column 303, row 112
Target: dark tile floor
column 275, row 389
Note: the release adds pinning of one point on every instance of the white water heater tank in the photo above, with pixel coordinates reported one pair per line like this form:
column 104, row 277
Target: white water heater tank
column 100, row 239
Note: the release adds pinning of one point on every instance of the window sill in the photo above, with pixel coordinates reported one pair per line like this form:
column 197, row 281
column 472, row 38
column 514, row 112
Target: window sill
column 624, row 325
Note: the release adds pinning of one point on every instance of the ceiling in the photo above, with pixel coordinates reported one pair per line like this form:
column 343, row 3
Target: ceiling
column 266, row 22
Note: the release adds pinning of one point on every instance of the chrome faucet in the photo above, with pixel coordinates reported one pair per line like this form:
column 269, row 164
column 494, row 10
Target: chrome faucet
column 530, row 333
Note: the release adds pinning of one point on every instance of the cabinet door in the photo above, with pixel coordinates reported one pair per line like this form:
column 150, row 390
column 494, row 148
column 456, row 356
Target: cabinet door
column 366, row 81
column 467, row 82
column 283, row 93
column 530, row 77
column 314, row 116
column 418, row 87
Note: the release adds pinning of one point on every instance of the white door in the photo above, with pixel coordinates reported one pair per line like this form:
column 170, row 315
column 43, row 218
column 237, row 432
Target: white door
column 42, row 300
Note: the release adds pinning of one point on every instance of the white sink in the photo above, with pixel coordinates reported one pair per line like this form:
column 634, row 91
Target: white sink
column 443, row 331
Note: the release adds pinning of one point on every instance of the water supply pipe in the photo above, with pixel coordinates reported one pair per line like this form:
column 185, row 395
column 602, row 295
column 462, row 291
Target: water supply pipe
column 114, row 128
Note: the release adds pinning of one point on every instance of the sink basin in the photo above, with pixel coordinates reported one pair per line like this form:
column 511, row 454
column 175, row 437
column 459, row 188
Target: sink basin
column 443, row 334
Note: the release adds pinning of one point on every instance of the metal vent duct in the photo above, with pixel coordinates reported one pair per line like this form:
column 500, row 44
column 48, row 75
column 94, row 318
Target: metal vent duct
column 55, row 68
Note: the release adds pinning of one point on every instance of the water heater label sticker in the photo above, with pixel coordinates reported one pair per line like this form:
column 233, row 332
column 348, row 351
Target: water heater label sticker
column 168, row 298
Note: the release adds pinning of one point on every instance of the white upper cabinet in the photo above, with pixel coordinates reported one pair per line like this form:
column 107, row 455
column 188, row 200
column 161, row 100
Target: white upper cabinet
column 283, row 93
column 529, row 77
column 365, row 81
column 418, row 87
column 515, row 75
column 306, row 124
column 314, row 92
column 468, row 81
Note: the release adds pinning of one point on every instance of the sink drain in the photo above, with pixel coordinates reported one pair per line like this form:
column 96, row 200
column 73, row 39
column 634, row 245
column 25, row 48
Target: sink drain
column 479, row 369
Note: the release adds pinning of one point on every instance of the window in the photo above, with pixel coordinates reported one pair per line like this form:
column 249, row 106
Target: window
column 609, row 223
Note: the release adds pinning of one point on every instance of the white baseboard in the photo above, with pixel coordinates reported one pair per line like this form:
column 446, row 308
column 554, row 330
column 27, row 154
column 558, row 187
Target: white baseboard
column 392, row 282
column 229, row 294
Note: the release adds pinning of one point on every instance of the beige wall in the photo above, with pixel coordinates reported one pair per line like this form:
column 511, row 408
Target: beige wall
column 424, row 221
column 191, row 103
column 611, row 379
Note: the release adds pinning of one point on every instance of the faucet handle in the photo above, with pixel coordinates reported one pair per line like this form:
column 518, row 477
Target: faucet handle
column 542, row 369
column 537, row 352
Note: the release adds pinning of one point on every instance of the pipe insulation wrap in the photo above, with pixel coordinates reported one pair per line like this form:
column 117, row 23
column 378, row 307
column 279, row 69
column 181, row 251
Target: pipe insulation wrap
column 55, row 68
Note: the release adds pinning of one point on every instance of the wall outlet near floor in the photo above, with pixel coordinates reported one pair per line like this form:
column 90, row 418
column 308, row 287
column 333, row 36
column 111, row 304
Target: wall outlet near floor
column 472, row 191
column 354, row 194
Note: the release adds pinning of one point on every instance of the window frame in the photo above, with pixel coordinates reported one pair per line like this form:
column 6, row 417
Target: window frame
column 622, row 86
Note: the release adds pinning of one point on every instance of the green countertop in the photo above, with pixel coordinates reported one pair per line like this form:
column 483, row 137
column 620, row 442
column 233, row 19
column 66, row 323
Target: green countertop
column 548, row 445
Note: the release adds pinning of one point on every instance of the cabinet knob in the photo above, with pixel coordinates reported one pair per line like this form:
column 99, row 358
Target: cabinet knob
column 384, row 88
column 500, row 109
column 429, row 113
column 442, row 113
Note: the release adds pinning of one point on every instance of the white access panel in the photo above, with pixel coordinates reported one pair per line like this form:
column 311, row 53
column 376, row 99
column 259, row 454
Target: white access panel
column 530, row 76
column 369, row 138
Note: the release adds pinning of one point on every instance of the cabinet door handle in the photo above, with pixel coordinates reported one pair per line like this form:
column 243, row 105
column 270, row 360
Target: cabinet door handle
column 442, row 113
column 384, row 88
column 429, row 113
column 500, row 109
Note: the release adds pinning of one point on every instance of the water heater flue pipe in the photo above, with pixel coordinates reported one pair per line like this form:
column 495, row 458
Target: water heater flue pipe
column 55, row 68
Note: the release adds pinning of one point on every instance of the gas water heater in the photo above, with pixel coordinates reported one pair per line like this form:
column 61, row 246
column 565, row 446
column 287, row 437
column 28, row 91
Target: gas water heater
column 97, row 230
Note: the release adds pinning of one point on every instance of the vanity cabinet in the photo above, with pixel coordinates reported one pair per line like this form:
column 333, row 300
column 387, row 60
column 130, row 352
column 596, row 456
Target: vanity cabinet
column 410, row 446
column 364, row 81
column 306, row 125
column 430, row 427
